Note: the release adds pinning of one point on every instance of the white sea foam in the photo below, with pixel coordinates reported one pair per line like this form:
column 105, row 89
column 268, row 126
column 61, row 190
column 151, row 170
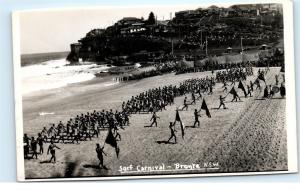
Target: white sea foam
column 46, row 113
column 55, row 73
column 110, row 84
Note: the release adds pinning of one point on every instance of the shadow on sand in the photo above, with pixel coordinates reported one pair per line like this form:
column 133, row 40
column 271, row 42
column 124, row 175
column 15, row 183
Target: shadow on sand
column 45, row 161
column 233, row 101
column 278, row 98
column 215, row 108
column 148, row 126
column 165, row 142
column 191, row 126
column 258, row 99
column 95, row 167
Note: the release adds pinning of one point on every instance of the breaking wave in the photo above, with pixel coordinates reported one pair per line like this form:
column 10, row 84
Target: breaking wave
column 56, row 73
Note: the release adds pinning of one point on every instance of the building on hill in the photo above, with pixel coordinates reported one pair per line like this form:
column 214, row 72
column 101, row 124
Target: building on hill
column 75, row 47
column 245, row 10
column 130, row 25
column 229, row 12
column 187, row 31
column 213, row 9
column 181, row 14
column 128, row 21
column 95, row 32
column 132, row 29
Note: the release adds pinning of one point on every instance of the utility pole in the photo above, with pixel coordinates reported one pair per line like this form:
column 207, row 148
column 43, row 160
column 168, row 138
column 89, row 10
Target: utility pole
column 261, row 25
column 201, row 37
column 172, row 47
column 206, row 46
column 242, row 44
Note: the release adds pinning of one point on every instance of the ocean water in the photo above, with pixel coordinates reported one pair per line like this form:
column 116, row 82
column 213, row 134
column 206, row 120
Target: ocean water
column 32, row 59
column 55, row 74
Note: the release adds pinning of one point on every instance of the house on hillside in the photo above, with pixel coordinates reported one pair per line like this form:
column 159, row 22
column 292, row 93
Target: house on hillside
column 75, row 47
column 126, row 21
column 129, row 25
column 213, row 9
column 95, row 32
column 229, row 12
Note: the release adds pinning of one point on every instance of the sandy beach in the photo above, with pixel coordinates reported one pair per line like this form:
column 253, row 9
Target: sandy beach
column 248, row 136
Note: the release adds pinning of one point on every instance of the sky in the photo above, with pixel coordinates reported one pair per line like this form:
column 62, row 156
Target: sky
column 43, row 31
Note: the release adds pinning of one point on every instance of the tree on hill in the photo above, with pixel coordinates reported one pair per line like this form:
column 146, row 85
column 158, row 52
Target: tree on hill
column 151, row 19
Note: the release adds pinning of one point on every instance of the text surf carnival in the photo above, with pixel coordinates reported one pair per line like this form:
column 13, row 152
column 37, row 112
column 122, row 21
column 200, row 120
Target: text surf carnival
column 169, row 168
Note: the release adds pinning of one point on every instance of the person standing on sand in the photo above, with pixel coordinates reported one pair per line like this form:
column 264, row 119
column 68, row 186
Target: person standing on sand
column 76, row 135
column 51, row 148
column 196, row 115
column 40, row 141
column 100, row 153
column 282, row 90
column 185, row 105
column 154, row 118
column 266, row 92
column 225, row 87
column 26, row 140
column 193, row 98
column 126, row 119
column 172, row 132
column 251, row 86
column 258, row 85
column 44, row 133
column 249, row 90
column 33, row 145
column 199, row 93
column 95, row 130
column 235, row 96
column 210, row 89
column 222, row 99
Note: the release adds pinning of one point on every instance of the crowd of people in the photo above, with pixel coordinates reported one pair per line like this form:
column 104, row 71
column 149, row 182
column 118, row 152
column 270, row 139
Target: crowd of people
column 81, row 128
column 233, row 74
column 172, row 66
column 157, row 99
column 86, row 126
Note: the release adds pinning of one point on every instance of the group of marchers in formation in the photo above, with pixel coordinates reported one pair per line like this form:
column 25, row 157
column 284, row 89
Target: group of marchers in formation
column 84, row 127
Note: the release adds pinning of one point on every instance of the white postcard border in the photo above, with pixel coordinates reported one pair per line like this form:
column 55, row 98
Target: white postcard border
column 290, row 97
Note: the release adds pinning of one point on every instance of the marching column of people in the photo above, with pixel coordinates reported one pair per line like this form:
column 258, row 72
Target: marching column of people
column 85, row 126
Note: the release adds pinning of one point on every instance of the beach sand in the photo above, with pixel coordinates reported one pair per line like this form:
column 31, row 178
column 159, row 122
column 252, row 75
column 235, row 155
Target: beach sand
column 249, row 136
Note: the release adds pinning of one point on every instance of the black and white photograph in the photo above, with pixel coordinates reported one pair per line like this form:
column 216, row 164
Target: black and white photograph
column 155, row 91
